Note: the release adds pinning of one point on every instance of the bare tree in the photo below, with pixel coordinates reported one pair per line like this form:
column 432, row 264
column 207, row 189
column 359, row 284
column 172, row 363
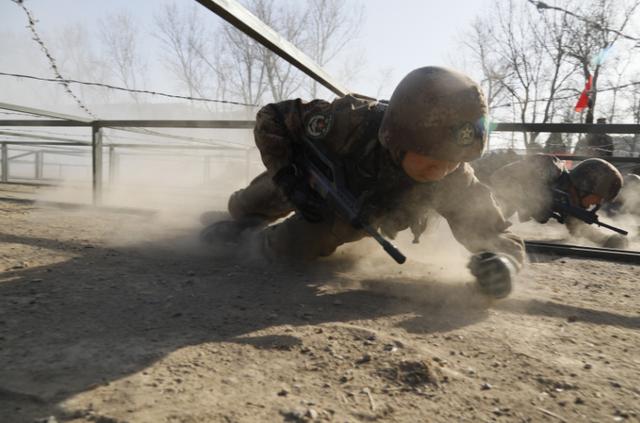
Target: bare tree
column 119, row 38
column 523, row 61
column 332, row 24
column 237, row 66
column 634, row 110
column 536, row 61
column 76, row 57
column 590, row 37
column 184, row 36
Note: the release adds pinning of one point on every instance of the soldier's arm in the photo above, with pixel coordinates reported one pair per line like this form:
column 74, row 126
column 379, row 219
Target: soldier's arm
column 506, row 185
column 474, row 217
column 278, row 125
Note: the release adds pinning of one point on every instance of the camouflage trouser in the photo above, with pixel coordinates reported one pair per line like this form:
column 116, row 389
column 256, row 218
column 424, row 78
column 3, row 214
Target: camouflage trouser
column 294, row 238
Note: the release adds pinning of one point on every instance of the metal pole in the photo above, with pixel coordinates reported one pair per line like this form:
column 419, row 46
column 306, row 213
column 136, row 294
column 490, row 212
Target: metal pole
column 207, row 170
column 39, row 164
column 112, row 165
column 5, row 162
column 248, row 166
column 96, row 154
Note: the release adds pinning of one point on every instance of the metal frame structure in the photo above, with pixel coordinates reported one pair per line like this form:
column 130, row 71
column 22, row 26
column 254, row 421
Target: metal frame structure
column 97, row 144
column 243, row 20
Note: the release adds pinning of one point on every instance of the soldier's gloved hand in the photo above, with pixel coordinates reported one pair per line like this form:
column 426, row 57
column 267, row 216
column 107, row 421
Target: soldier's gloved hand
column 616, row 241
column 297, row 190
column 494, row 273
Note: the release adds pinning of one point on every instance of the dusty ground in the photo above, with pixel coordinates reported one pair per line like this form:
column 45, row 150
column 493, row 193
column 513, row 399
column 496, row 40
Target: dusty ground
column 112, row 317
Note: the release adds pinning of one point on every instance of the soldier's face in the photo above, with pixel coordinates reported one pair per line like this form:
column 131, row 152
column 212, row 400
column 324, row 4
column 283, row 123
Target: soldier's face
column 426, row 169
column 591, row 200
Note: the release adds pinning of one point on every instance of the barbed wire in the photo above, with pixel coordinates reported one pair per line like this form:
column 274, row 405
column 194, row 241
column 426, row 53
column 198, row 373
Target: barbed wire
column 131, row 90
column 542, row 5
column 52, row 62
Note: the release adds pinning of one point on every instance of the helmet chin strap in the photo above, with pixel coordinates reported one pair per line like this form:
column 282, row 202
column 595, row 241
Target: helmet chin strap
column 563, row 183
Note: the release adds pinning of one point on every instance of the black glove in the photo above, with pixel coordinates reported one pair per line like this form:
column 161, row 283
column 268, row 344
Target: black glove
column 616, row 241
column 494, row 273
column 297, row 190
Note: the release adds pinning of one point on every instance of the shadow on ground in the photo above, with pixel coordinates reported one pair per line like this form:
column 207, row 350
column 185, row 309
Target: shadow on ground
column 109, row 312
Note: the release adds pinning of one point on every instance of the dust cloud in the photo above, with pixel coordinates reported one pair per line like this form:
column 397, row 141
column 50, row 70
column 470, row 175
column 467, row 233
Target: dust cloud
column 153, row 197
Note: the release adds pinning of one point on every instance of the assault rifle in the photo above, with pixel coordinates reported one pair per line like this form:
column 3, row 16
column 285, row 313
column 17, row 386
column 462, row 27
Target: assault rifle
column 326, row 177
column 562, row 208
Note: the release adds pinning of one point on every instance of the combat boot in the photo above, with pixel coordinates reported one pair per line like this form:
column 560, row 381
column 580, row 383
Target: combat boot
column 230, row 231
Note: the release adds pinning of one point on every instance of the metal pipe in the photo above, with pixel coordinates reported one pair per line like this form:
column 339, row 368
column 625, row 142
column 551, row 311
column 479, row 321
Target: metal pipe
column 37, row 143
column 96, row 155
column 18, row 156
column 37, row 136
column 40, row 112
column 112, row 165
column 612, row 159
column 613, row 128
column 566, row 250
column 220, row 124
column 5, row 162
column 248, row 166
column 39, row 164
column 207, row 169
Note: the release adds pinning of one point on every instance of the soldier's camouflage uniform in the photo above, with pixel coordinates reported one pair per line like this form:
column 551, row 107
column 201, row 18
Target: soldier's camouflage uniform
column 348, row 127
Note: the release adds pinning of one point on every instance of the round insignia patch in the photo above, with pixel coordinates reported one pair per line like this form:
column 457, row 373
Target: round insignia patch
column 318, row 125
column 466, row 134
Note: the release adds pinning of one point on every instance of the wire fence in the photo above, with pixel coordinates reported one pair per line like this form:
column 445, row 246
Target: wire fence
column 174, row 161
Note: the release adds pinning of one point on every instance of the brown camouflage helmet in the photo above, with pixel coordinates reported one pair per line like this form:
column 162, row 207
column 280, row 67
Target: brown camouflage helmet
column 596, row 176
column 436, row 112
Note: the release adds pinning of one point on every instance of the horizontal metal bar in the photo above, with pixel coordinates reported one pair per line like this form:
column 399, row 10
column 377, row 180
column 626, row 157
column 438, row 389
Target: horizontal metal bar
column 125, row 210
column 40, row 112
column 566, row 250
column 38, row 143
column 177, row 147
column 41, row 122
column 27, row 162
column 121, row 145
column 36, row 136
column 194, row 140
column 613, row 128
column 612, row 159
column 219, row 124
column 17, row 156
column 20, row 181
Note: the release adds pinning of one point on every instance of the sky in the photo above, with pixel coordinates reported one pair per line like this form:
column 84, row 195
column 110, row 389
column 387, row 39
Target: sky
column 396, row 37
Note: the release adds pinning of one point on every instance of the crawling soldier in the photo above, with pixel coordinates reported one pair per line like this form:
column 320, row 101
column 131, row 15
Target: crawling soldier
column 402, row 159
column 526, row 186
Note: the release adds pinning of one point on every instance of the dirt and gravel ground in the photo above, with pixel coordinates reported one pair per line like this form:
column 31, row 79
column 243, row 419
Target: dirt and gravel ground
column 113, row 317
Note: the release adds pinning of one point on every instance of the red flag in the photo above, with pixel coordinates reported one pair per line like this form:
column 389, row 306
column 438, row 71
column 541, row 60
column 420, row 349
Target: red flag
column 583, row 101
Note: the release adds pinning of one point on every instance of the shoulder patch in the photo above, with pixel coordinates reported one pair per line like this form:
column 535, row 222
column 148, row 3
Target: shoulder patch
column 318, row 125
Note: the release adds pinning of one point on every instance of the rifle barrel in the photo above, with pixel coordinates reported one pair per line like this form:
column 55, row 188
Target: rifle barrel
column 613, row 228
column 390, row 249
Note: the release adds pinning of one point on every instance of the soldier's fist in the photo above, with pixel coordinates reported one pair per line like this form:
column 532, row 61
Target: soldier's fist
column 494, row 273
column 616, row 241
